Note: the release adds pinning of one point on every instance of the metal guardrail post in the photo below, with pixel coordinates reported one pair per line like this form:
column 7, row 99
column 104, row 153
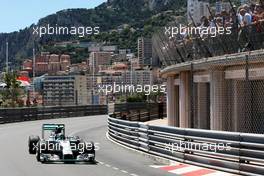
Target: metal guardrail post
column 239, row 154
column 143, row 137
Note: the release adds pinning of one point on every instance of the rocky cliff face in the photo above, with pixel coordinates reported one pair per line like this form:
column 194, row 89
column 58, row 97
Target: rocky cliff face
column 157, row 4
column 150, row 4
column 108, row 16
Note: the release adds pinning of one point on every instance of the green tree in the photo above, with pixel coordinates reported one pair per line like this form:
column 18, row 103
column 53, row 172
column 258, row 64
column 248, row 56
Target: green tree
column 154, row 96
column 10, row 93
column 137, row 97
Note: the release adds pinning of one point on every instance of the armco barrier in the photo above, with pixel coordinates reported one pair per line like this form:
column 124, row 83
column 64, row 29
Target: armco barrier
column 138, row 111
column 237, row 153
column 9, row 115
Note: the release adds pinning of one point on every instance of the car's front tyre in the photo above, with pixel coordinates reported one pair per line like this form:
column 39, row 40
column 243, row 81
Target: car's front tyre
column 32, row 144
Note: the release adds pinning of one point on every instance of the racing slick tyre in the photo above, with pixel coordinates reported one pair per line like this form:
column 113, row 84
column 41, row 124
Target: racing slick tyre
column 92, row 160
column 90, row 150
column 32, row 143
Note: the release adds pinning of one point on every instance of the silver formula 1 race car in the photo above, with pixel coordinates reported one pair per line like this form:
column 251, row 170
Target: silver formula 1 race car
column 59, row 148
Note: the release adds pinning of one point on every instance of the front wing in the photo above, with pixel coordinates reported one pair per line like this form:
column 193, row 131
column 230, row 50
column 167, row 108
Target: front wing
column 89, row 157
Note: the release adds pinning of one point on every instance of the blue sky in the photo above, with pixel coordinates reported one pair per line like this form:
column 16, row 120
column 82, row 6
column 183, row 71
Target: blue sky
column 18, row 14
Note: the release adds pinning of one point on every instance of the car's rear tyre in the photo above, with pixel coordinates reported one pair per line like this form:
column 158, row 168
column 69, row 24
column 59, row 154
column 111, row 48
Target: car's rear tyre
column 32, row 143
column 89, row 150
column 92, row 160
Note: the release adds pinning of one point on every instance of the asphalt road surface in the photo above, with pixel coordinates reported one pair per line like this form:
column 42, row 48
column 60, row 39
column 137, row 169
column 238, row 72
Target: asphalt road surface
column 112, row 159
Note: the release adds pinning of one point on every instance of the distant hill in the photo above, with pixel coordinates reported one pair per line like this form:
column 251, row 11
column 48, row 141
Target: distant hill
column 143, row 16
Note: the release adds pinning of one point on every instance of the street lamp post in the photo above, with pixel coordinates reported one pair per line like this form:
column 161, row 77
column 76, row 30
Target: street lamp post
column 7, row 57
column 131, row 75
column 93, row 79
column 33, row 71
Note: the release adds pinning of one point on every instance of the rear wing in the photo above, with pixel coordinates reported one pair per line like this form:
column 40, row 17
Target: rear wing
column 52, row 126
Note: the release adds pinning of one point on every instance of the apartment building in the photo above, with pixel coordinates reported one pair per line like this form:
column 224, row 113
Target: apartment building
column 51, row 63
column 144, row 51
column 65, row 90
column 99, row 58
column 138, row 77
